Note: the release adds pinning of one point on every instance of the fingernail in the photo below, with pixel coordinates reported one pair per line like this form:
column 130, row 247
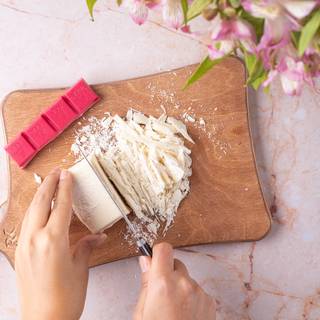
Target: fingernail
column 64, row 174
column 144, row 263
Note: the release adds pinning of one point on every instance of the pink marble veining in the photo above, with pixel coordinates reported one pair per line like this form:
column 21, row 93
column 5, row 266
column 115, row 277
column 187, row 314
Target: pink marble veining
column 276, row 278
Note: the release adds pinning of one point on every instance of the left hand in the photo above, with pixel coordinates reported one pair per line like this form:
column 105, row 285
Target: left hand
column 52, row 280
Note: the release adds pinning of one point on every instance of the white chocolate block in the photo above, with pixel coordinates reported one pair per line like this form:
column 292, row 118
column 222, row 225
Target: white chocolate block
column 91, row 202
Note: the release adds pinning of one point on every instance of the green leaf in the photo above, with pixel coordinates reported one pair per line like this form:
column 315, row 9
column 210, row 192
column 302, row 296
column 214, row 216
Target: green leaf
column 235, row 3
column 184, row 5
column 256, row 72
column 196, row 8
column 90, row 5
column 308, row 32
column 257, row 23
column 250, row 61
column 295, row 36
column 203, row 68
column 119, row 3
column 259, row 80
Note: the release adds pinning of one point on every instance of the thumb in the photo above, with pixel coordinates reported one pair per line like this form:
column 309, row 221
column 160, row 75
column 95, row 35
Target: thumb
column 145, row 265
column 85, row 246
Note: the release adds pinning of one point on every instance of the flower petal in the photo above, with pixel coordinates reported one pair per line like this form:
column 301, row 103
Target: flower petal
column 138, row 11
column 172, row 13
column 231, row 29
column 292, row 75
column 242, row 29
column 275, row 38
column 220, row 48
column 271, row 75
column 217, row 28
column 291, row 87
column 153, row 4
column 262, row 9
column 249, row 45
column 299, row 9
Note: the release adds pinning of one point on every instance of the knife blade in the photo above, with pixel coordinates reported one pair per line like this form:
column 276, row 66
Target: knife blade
column 141, row 243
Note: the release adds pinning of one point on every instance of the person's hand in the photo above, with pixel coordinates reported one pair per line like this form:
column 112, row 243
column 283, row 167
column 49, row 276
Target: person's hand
column 168, row 292
column 52, row 280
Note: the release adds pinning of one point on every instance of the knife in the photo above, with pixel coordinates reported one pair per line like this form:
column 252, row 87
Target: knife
column 142, row 244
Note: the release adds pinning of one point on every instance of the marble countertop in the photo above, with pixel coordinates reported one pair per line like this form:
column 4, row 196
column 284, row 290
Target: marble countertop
column 53, row 43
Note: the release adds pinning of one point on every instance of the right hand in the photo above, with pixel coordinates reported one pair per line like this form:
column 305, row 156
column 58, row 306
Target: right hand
column 168, row 292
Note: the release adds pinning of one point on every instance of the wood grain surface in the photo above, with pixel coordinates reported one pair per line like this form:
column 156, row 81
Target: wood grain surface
column 225, row 203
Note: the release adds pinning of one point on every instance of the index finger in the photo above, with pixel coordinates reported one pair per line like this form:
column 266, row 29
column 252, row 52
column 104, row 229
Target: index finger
column 162, row 259
column 61, row 212
column 39, row 210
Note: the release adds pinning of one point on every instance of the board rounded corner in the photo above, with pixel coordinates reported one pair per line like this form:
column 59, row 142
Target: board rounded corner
column 7, row 97
column 11, row 262
column 267, row 228
column 5, row 238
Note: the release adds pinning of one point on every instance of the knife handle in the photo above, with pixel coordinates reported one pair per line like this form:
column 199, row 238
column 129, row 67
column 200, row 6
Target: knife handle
column 145, row 248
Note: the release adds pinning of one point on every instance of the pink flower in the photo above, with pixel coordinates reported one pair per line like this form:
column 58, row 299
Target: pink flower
column 271, row 9
column 311, row 60
column 233, row 28
column 275, row 49
column 275, row 37
column 276, row 34
column 292, row 75
column 172, row 13
column 138, row 10
column 281, row 17
column 228, row 34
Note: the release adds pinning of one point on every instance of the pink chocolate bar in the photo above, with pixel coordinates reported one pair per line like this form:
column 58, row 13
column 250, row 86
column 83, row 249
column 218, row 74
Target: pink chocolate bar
column 51, row 122
column 21, row 150
column 60, row 115
column 80, row 96
column 40, row 133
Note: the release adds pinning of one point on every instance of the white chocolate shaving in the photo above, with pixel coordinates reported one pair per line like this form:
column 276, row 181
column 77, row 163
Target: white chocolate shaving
column 37, row 179
column 147, row 161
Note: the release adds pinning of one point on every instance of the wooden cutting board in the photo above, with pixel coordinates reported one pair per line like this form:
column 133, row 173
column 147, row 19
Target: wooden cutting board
column 225, row 203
